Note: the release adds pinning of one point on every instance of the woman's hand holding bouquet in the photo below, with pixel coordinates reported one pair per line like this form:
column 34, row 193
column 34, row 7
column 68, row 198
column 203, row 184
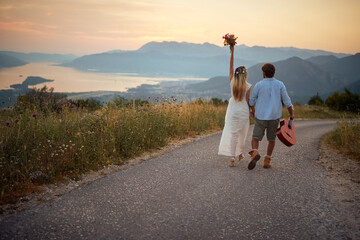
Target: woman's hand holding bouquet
column 229, row 39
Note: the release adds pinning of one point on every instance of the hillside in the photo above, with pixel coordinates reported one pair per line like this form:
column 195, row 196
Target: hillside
column 302, row 79
column 348, row 67
column 41, row 57
column 7, row 61
column 354, row 87
column 320, row 60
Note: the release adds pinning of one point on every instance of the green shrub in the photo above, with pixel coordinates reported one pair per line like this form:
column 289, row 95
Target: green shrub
column 346, row 101
column 89, row 104
column 316, row 100
column 42, row 99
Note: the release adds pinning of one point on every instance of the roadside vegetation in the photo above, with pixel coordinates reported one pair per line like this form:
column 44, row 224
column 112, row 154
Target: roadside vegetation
column 345, row 102
column 317, row 112
column 345, row 138
column 45, row 138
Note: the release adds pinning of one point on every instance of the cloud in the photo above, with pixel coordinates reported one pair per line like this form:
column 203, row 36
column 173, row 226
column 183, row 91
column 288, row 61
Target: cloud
column 19, row 27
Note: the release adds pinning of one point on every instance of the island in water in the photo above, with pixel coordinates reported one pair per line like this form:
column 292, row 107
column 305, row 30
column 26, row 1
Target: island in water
column 9, row 96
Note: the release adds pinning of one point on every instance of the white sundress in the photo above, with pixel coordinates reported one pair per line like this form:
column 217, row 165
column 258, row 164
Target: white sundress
column 236, row 127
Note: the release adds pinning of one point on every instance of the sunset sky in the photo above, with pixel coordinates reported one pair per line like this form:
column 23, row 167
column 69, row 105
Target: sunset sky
column 92, row 26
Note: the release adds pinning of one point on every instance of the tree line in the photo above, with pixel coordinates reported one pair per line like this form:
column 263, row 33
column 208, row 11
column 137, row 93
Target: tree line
column 347, row 101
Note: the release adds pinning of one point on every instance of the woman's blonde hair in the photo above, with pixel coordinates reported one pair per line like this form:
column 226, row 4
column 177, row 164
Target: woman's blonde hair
column 238, row 83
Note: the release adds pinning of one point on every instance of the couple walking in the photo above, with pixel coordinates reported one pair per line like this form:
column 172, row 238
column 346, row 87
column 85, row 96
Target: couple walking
column 263, row 102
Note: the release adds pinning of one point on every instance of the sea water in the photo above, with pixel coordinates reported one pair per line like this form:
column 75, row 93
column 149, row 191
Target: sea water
column 71, row 80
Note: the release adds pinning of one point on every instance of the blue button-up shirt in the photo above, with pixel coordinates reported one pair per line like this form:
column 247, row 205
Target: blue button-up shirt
column 267, row 95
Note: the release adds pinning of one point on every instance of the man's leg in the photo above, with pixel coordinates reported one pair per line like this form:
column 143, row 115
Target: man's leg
column 258, row 134
column 270, row 148
column 255, row 143
column 271, row 136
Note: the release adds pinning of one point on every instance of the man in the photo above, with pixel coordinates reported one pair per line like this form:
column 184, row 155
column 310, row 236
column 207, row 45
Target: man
column 267, row 95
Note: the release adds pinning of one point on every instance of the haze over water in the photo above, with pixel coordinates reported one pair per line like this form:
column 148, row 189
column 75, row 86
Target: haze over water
column 71, row 80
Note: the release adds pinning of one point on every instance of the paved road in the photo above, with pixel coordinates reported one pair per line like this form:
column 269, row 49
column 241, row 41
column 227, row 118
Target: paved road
column 191, row 193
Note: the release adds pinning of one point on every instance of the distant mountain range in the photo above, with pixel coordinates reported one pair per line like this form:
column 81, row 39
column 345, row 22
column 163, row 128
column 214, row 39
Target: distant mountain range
column 348, row 67
column 186, row 59
column 256, row 53
column 304, row 72
column 7, row 61
column 302, row 78
column 40, row 57
column 155, row 64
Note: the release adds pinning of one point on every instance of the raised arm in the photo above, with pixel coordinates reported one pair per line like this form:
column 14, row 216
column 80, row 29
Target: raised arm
column 231, row 74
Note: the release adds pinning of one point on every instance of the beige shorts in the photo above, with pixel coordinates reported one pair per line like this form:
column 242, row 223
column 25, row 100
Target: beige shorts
column 270, row 125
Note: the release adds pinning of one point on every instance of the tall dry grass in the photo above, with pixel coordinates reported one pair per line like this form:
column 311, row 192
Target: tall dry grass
column 317, row 112
column 38, row 147
column 346, row 138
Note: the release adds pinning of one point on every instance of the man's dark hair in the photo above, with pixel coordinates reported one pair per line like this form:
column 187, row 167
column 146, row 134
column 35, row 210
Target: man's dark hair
column 268, row 69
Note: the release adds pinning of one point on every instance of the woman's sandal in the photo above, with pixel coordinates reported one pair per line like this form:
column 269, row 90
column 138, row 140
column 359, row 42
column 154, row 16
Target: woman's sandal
column 241, row 157
column 232, row 162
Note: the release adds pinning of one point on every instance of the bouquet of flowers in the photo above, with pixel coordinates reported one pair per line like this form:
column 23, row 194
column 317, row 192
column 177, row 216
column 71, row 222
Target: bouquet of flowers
column 229, row 39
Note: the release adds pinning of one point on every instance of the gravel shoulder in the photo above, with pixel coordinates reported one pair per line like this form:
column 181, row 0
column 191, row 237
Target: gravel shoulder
column 343, row 175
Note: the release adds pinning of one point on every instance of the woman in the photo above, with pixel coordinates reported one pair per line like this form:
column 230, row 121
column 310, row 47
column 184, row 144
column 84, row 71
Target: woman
column 236, row 127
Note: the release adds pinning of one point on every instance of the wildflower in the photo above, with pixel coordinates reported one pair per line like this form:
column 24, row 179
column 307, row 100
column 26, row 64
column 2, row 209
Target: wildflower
column 8, row 124
column 36, row 175
column 35, row 115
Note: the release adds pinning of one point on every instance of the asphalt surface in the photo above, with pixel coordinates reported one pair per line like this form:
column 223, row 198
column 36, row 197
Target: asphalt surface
column 191, row 193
